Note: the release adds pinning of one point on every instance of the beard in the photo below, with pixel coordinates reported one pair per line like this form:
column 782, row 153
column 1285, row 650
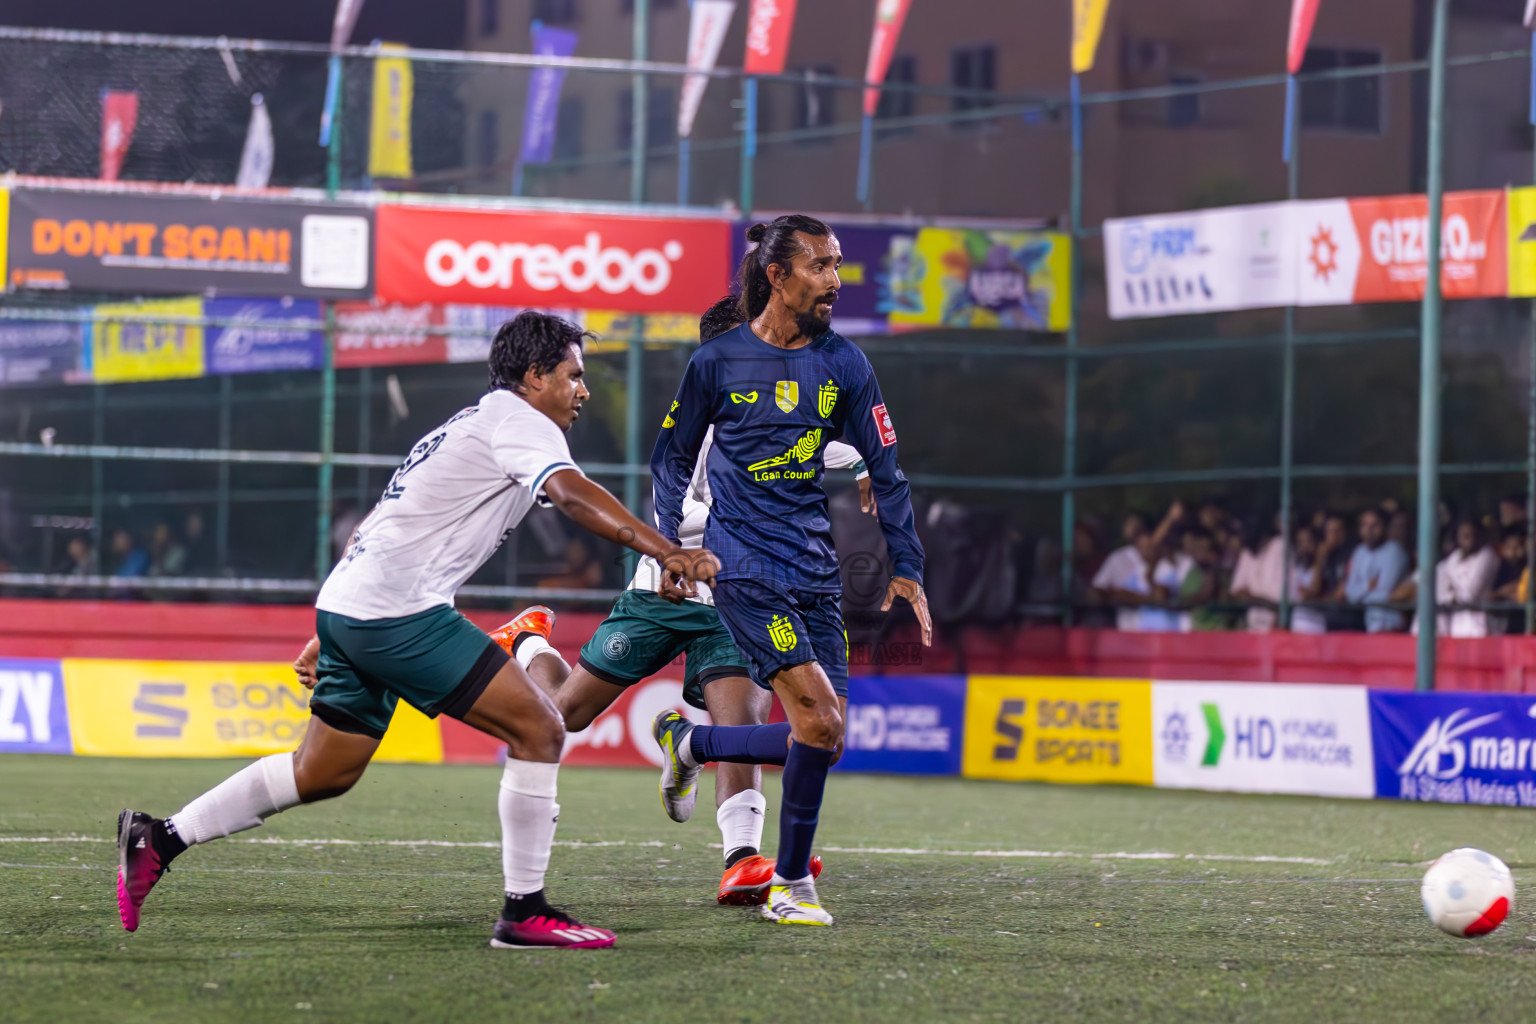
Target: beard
column 813, row 324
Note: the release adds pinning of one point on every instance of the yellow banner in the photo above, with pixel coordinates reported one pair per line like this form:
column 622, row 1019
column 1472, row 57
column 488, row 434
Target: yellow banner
column 389, row 145
column 964, row 277
column 1087, row 26
column 1522, row 242
column 5, row 231
column 124, row 350
column 614, row 330
column 1058, row 730
column 209, row 709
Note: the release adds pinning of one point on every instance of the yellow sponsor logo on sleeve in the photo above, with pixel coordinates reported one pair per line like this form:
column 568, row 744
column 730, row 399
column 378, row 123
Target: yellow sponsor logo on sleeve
column 209, row 709
column 1058, row 730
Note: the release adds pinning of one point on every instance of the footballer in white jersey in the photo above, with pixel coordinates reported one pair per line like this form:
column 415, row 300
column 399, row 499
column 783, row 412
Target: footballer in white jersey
column 646, row 631
column 386, row 631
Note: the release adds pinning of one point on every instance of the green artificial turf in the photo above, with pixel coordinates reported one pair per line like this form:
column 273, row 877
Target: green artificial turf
column 1078, row 929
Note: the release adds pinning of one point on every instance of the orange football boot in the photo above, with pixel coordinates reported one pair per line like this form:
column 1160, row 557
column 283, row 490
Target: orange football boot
column 745, row 883
column 537, row 619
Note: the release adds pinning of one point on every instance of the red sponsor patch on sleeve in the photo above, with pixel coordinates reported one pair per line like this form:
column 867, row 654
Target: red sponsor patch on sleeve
column 883, row 426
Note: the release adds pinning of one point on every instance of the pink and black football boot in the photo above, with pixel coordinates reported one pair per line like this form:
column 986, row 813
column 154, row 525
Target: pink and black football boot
column 549, row 928
column 139, row 864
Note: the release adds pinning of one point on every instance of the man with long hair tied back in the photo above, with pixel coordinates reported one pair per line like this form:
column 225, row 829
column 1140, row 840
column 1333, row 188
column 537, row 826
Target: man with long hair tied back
column 776, row 390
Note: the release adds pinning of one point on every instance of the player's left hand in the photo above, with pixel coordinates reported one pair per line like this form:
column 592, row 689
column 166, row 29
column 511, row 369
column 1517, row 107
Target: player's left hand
column 912, row 592
column 675, row 589
column 306, row 666
column 867, row 498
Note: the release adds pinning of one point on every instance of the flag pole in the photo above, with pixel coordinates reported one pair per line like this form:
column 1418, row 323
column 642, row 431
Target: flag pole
column 866, row 143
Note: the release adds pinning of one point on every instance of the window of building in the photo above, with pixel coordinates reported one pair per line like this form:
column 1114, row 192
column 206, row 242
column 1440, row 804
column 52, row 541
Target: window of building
column 1184, row 109
column 660, row 118
column 570, row 126
column 628, row 6
column 485, row 139
column 1351, row 104
column 974, row 67
column 490, row 17
column 555, row 12
column 903, row 70
column 815, row 100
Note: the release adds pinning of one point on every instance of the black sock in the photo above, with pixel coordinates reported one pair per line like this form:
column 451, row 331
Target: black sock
column 521, row 908
column 169, row 845
column 737, row 856
column 517, row 641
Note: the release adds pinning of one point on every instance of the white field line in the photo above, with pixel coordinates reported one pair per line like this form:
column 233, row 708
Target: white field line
column 889, row 851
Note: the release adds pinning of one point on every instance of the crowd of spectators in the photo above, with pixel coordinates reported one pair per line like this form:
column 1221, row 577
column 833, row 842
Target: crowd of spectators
column 1205, row 569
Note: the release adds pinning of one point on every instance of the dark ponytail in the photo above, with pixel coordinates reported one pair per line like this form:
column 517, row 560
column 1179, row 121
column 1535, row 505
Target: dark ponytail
column 773, row 242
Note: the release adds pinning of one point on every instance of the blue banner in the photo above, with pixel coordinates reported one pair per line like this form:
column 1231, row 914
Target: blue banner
column 1455, row 748
column 34, row 718
column 40, row 351
column 258, row 342
column 907, row 725
column 542, row 113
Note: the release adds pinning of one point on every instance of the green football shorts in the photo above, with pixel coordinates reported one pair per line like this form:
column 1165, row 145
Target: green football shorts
column 437, row 661
column 644, row 633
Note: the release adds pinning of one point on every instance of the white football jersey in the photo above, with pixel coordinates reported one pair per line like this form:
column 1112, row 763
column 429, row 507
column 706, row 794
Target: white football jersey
column 696, row 502
column 449, row 506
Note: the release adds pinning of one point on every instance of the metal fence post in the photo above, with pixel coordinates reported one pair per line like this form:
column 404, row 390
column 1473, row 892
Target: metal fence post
column 1530, row 440
column 633, row 379
column 1429, row 364
column 1069, row 424
column 640, row 107
column 1288, row 374
column 328, row 366
column 748, row 143
column 221, row 515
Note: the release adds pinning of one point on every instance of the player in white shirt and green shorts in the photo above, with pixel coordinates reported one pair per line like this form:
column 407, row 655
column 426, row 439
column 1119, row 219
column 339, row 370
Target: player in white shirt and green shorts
column 386, row 630
column 650, row 626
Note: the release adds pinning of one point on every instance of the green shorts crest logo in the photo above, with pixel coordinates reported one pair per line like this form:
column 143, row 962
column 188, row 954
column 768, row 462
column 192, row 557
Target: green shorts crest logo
column 782, row 632
column 616, row 646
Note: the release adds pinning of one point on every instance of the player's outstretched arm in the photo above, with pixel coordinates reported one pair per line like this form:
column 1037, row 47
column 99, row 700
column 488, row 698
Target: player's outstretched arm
column 912, row 592
column 595, row 510
column 677, row 447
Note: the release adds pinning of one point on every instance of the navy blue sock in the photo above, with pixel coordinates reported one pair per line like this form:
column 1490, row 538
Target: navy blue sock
column 742, row 744
column 805, row 779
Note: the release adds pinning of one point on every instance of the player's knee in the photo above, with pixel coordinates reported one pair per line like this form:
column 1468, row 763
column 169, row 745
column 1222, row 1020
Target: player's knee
column 539, row 737
column 321, row 782
column 823, row 729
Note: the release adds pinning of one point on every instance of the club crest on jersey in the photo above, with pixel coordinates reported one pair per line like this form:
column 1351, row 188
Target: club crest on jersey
column 826, row 399
column 786, row 394
column 782, row 632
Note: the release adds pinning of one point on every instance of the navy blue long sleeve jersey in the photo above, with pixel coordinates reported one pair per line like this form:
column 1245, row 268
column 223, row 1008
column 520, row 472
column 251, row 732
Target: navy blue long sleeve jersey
column 774, row 410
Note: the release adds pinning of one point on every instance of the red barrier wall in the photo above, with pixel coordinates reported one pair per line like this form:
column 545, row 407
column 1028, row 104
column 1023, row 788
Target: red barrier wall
column 207, row 632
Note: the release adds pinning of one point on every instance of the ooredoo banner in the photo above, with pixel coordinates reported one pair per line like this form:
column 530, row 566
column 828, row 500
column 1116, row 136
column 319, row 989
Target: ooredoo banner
column 1058, row 730
column 1455, row 748
column 33, row 716
column 158, row 244
column 1263, row 738
column 574, row 261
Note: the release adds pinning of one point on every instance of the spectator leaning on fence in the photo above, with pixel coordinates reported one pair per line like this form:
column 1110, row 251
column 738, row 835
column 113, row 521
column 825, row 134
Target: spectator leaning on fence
column 1507, row 581
column 1124, row 579
column 1376, row 567
column 1465, row 577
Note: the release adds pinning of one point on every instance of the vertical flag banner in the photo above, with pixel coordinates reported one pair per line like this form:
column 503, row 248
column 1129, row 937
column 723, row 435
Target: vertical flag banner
column 389, row 143
column 1087, row 26
column 1303, row 15
column 889, row 17
column 707, row 24
column 541, row 114
column 769, row 26
column 257, row 156
column 341, row 30
column 119, row 116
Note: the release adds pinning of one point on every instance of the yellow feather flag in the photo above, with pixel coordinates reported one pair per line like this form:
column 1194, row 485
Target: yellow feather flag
column 1087, row 26
column 389, row 144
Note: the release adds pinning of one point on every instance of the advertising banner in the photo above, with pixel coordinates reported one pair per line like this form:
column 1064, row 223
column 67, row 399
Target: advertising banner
column 1201, row 262
column 40, row 352
column 1372, row 250
column 1522, row 242
column 5, row 235
column 956, row 277
column 257, row 342
column 905, row 725
column 1058, row 730
column 770, row 23
column 155, row 243
column 387, row 334
column 34, row 718
column 708, row 21
column 890, row 15
column 1263, row 738
column 119, row 117
column 389, row 141
column 1455, row 748
column 574, row 261
column 1087, row 26
column 121, row 348
column 542, row 114
column 209, row 709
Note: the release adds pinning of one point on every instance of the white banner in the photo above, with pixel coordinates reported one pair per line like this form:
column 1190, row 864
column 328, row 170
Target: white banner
column 707, row 22
column 1263, row 738
column 1205, row 261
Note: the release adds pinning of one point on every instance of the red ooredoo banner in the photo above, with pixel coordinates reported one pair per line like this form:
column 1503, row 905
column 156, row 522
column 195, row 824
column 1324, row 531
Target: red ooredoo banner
column 770, row 23
column 550, row 260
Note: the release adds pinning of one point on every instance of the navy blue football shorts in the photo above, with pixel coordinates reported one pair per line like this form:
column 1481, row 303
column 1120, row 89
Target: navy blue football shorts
column 776, row 628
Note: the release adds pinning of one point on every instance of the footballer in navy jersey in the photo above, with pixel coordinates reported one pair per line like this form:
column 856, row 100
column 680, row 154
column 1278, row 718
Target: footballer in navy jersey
column 776, row 390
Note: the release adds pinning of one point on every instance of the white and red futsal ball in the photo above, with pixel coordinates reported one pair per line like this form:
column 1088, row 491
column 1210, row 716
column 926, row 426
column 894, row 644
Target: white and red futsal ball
column 1468, row 893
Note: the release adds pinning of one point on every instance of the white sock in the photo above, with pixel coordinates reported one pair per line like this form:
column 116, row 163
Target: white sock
column 242, row 801
column 741, row 821
column 528, row 812
column 531, row 648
